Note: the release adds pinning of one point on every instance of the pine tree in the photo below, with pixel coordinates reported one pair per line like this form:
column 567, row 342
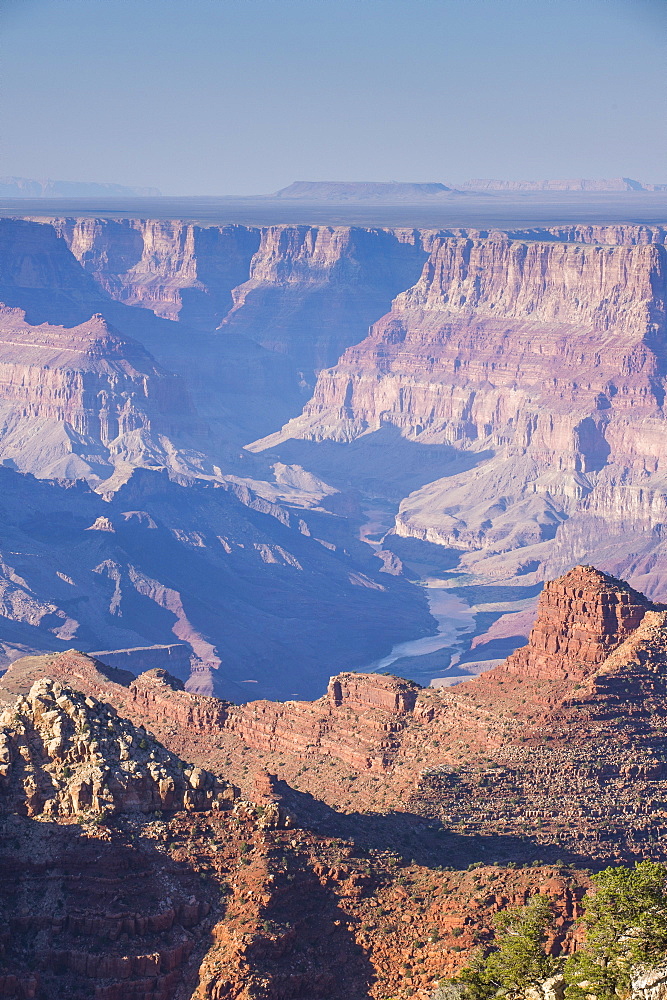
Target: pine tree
column 626, row 927
column 518, row 959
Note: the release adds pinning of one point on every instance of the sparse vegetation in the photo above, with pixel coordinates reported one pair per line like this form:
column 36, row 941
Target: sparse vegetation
column 625, row 923
column 626, row 926
column 517, row 960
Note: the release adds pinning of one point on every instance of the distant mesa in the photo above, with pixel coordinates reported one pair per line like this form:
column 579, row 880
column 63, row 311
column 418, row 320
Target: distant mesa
column 573, row 184
column 25, row 187
column 361, row 191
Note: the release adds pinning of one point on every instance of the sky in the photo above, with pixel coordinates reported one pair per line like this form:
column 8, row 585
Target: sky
column 233, row 97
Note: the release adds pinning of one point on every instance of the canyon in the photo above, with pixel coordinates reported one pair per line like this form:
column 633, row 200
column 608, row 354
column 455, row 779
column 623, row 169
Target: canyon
column 473, row 758
column 358, row 845
column 491, row 400
column 240, row 581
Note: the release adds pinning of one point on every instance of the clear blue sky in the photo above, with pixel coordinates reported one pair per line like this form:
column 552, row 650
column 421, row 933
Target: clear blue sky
column 244, row 96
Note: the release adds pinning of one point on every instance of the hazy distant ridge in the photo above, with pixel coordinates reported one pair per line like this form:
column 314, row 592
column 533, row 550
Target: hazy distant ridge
column 25, row 187
column 572, row 184
column 395, row 191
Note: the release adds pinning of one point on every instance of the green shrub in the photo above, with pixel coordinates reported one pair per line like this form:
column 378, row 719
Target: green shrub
column 626, row 925
column 517, row 960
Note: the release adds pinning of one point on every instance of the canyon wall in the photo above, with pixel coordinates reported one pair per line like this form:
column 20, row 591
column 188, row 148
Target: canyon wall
column 176, row 269
column 541, row 363
column 313, row 291
column 39, row 275
column 287, row 301
column 305, row 291
column 76, row 401
column 489, row 324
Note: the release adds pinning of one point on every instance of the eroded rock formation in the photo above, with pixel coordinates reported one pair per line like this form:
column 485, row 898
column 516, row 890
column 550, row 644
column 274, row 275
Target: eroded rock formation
column 156, row 882
column 514, row 390
column 313, row 291
column 76, row 401
column 176, row 269
column 65, row 754
column 539, row 362
column 560, row 747
column 581, row 619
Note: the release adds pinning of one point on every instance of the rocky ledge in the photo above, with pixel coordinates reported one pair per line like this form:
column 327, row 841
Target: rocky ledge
column 561, row 746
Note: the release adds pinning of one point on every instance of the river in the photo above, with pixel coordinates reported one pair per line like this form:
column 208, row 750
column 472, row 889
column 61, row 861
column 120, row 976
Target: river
column 455, row 618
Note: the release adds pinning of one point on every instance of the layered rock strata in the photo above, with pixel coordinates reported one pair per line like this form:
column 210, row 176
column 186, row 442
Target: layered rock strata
column 496, row 314
column 212, row 906
column 75, row 401
column 313, row 291
column 558, row 752
column 307, row 291
column 581, row 619
column 176, row 269
column 540, row 364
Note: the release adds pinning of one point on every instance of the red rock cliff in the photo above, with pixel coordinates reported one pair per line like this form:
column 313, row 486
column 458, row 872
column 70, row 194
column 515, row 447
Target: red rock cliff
column 581, row 619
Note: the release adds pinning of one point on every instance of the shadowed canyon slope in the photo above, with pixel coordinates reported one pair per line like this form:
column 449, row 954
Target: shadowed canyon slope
column 261, row 603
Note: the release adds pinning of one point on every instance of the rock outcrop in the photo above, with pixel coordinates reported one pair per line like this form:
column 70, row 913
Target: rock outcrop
column 157, row 695
column 76, row 401
column 63, row 754
column 363, row 691
column 650, row 984
column 157, row 882
column 581, row 619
